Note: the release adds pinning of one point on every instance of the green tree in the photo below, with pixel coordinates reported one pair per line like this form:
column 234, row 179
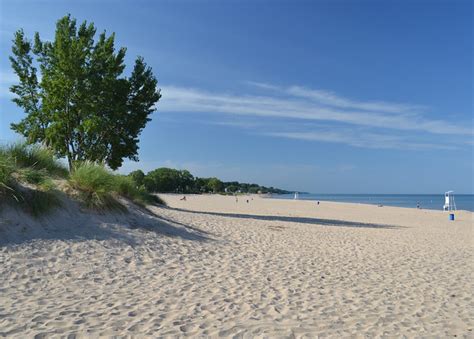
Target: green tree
column 149, row 184
column 215, row 185
column 201, row 185
column 232, row 188
column 164, row 179
column 169, row 180
column 253, row 189
column 138, row 177
column 186, row 181
column 82, row 108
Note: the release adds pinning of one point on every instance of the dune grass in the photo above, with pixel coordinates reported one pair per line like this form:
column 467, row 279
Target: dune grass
column 27, row 174
column 35, row 157
column 33, row 176
column 6, row 179
column 38, row 201
column 98, row 188
column 34, row 165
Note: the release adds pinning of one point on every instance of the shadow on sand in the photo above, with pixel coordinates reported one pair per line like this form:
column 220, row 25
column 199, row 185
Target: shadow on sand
column 303, row 220
column 72, row 223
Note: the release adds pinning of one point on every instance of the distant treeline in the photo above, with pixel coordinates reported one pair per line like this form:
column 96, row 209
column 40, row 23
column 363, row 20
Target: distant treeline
column 168, row 180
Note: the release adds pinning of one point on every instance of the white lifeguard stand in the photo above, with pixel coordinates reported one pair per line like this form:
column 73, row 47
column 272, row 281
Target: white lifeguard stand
column 449, row 203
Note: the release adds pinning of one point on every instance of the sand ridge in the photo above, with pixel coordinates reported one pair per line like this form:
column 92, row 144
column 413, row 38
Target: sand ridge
column 210, row 266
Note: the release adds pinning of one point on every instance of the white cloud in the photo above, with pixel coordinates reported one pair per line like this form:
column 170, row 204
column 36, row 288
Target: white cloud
column 240, row 124
column 362, row 139
column 331, row 99
column 263, row 85
column 180, row 99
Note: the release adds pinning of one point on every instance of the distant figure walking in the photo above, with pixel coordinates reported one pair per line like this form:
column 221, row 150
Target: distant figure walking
column 318, row 202
column 417, row 204
column 236, row 200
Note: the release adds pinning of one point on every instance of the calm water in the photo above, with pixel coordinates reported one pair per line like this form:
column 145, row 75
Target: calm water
column 428, row 201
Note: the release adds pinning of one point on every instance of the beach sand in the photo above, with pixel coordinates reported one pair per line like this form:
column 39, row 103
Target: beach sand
column 211, row 266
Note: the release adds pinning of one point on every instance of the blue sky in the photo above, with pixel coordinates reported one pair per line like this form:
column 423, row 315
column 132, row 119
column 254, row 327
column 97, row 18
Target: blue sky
column 321, row 96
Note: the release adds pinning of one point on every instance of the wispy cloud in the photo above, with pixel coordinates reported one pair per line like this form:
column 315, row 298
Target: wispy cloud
column 296, row 112
column 363, row 140
column 240, row 124
column 392, row 116
column 329, row 98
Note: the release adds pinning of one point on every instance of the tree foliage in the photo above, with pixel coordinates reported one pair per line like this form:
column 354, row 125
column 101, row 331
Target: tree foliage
column 169, row 180
column 138, row 177
column 81, row 106
column 215, row 185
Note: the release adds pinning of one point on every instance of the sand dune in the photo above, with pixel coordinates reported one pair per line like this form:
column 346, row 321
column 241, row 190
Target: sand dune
column 210, row 266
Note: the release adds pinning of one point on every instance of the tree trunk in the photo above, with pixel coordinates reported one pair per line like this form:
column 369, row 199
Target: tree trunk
column 70, row 163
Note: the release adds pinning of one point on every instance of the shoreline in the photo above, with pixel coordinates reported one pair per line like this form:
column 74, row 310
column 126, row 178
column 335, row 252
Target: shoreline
column 266, row 197
column 374, row 205
column 371, row 204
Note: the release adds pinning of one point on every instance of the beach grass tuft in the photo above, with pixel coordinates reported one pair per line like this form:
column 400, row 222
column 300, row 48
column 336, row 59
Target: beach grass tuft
column 34, row 165
column 6, row 179
column 96, row 186
column 32, row 175
column 38, row 202
column 27, row 174
column 34, row 157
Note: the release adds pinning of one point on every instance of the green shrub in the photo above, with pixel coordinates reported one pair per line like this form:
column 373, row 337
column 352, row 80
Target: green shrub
column 35, row 165
column 34, row 201
column 96, row 186
column 6, row 180
column 33, row 156
column 33, row 176
column 91, row 177
column 6, row 171
column 143, row 197
column 47, row 185
column 38, row 202
column 138, row 176
column 127, row 187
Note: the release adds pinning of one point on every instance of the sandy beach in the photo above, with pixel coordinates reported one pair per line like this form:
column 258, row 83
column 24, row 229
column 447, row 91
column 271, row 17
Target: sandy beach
column 211, row 266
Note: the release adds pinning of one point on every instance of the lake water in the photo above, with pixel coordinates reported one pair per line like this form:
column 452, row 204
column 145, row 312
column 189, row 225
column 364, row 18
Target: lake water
column 428, row 201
